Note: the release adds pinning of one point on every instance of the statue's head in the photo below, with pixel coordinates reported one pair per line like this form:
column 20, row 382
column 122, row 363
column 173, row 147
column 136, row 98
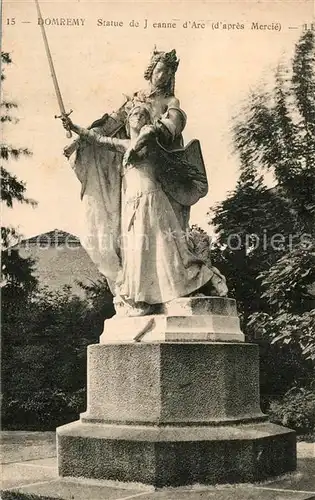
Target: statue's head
column 138, row 116
column 161, row 70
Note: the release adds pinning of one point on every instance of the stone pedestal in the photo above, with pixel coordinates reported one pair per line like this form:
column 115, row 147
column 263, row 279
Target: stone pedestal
column 175, row 412
column 181, row 320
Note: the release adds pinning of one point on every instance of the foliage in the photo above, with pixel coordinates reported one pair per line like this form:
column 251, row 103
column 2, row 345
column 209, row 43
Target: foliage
column 17, row 276
column 99, row 297
column 44, row 358
column 288, row 328
column 288, row 287
column 16, row 272
column 281, row 367
column 278, row 129
column 12, row 188
column 296, row 410
column 44, row 410
column 288, row 283
column 265, row 234
column 248, row 225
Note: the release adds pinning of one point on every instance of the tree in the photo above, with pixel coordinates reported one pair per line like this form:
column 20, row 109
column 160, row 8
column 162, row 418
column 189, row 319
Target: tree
column 266, row 235
column 277, row 130
column 246, row 225
column 46, row 337
column 99, row 297
column 17, row 272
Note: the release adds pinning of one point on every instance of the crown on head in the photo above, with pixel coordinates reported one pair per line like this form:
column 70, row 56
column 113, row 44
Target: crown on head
column 168, row 58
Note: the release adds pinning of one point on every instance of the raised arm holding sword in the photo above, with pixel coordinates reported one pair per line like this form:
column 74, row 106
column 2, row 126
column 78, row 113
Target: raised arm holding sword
column 63, row 112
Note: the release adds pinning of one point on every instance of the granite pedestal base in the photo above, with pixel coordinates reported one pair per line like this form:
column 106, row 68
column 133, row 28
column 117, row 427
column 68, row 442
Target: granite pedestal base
column 172, row 414
column 175, row 456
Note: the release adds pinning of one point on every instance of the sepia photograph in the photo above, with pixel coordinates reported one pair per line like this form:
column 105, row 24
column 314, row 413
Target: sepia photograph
column 158, row 250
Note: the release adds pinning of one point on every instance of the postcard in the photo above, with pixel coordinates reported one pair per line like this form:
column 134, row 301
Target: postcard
column 145, row 149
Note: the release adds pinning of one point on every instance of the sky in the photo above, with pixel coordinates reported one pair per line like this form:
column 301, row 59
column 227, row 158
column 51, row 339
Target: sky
column 96, row 65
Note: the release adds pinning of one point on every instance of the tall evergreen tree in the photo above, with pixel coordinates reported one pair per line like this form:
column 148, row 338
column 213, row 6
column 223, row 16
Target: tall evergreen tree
column 275, row 132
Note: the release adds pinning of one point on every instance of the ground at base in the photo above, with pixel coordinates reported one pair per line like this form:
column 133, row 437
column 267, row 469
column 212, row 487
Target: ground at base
column 29, row 472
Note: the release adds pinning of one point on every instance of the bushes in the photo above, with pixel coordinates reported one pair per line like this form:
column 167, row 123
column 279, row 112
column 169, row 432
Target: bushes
column 296, row 410
column 44, row 343
column 45, row 409
column 281, row 368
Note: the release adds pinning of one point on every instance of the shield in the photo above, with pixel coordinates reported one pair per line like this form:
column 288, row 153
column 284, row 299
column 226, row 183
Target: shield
column 182, row 173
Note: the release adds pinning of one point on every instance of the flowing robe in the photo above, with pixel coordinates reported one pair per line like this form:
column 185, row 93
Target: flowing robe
column 99, row 171
column 158, row 265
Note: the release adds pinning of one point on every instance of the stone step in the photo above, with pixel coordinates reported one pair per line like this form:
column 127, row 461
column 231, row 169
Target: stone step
column 94, row 490
column 175, row 456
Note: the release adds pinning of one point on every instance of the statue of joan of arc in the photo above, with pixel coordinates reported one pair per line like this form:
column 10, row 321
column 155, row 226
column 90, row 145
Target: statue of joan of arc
column 138, row 182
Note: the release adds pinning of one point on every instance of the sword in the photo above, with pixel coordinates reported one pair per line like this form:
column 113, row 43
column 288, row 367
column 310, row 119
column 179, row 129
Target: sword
column 53, row 72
